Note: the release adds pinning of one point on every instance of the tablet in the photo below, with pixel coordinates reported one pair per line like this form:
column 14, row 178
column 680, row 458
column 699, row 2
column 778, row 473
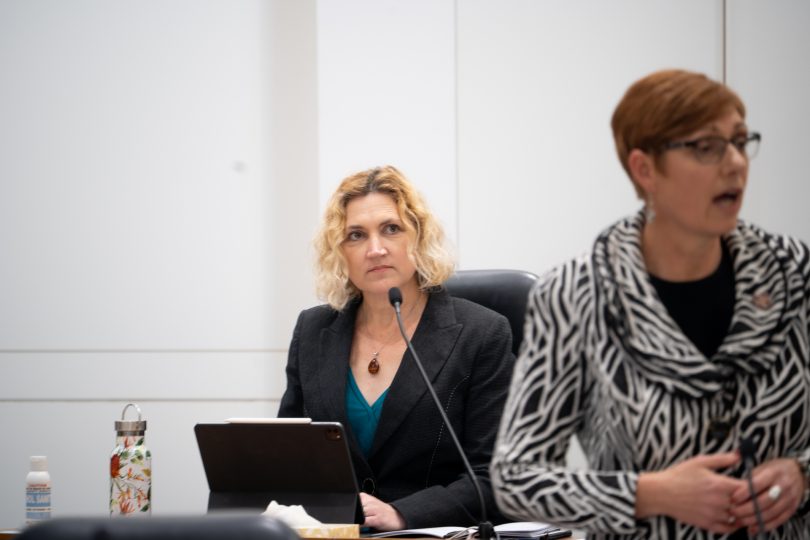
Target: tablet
column 248, row 464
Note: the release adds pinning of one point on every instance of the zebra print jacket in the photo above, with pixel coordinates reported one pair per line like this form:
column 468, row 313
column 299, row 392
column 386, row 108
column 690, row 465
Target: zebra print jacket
column 602, row 359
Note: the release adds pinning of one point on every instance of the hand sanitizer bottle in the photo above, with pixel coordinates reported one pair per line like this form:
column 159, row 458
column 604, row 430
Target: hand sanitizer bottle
column 37, row 491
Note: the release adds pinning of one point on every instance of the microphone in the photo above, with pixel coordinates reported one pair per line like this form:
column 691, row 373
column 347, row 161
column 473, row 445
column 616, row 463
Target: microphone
column 485, row 529
column 747, row 451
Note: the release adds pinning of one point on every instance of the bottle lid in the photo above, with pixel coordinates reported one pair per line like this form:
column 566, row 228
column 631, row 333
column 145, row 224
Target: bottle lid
column 39, row 463
column 135, row 427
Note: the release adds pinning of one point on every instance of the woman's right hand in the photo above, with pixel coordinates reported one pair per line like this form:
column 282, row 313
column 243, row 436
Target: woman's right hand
column 692, row 492
column 380, row 515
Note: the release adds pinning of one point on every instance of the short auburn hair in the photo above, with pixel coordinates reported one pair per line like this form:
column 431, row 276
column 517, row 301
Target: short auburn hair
column 664, row 106
column 426, row 246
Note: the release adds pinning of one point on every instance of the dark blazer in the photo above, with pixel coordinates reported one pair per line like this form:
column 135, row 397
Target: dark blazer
column 466, row 350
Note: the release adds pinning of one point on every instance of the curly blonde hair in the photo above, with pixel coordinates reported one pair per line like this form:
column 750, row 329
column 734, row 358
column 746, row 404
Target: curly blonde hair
column 426, row 242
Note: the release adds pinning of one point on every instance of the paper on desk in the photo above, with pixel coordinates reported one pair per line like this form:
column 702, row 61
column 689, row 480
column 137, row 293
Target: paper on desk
column 526, row 529
column 518, row 529
column 424, row 532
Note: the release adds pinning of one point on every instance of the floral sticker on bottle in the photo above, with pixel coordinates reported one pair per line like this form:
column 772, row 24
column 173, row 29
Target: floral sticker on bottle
column 130, row 469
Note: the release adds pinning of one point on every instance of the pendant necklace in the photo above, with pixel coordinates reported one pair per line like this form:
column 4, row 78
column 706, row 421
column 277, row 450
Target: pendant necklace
column 374, row 364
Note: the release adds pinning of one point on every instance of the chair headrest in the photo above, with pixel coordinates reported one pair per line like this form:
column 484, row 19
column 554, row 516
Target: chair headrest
column 504, row 291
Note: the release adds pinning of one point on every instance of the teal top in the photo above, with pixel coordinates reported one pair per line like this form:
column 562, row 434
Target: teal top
column 362, row 416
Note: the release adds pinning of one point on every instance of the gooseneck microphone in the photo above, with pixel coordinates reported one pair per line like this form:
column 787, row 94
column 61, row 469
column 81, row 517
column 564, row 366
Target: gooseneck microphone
column 485, row 529
column 747, row 451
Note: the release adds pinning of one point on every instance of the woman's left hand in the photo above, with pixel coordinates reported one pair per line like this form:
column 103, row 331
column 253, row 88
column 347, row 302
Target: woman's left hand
column 779, row 487
column 379, row 515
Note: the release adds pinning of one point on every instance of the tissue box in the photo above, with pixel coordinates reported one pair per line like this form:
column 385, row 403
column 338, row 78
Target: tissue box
column 329, row 530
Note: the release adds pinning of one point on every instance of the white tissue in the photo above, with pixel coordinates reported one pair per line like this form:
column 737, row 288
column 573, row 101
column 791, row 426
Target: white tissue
column 294, row 516
column 307, row 526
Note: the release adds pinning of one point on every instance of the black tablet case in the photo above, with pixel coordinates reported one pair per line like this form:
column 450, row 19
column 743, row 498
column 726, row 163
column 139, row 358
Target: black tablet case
column 249, row 465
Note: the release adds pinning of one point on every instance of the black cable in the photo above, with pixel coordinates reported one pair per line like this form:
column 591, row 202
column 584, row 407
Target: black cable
column 747, row 451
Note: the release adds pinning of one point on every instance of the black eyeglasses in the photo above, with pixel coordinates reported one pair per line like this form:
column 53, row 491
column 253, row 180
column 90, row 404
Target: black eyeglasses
column 710, row 150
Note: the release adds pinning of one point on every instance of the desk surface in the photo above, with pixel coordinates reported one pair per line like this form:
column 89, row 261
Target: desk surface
column 11, row 534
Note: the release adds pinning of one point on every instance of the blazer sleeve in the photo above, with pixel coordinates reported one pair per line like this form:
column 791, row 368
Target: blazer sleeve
column 546, row 406
column 457, row 503
column 292, row 402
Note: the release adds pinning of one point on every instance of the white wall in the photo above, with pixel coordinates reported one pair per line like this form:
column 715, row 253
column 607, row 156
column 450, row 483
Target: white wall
column 386, row 95
column 538, row 82
column 157, row 161
column 768, row 53
column 163, row 166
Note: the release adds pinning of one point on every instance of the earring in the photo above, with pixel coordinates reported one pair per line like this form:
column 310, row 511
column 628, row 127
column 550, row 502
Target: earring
column 649, row 211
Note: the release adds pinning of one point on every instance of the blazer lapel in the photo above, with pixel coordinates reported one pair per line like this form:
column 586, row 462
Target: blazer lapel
column 434, row 340
column 333, row 375
column 333, row 364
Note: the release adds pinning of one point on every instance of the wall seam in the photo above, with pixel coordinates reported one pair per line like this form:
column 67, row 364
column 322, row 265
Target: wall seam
column 724, row 32
column 456, row 131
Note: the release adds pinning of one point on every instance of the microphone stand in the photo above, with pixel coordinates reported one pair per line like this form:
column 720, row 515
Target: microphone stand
column 485, row 529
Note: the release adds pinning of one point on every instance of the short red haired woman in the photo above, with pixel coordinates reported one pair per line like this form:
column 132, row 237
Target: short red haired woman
column 682, row 333
column 348, row 362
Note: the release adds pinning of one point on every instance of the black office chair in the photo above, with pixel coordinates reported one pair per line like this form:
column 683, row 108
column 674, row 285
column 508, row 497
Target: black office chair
column 504, row 291
column 210, row 527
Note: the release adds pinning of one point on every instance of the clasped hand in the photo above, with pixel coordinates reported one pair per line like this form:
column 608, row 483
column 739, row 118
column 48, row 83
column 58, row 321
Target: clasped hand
column 694, row 492
column 380, row 515
column 779, row 487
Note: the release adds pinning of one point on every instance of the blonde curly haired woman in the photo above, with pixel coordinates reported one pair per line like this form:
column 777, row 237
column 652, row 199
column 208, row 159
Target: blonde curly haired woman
column 348, row 361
